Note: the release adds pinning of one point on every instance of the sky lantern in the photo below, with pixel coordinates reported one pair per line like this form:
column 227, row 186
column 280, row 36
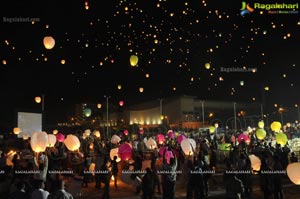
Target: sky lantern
column 225, row 147
column 141, row 89
column 255, row 162
column 125, row 132
column 188, row 146
column 39, row 141
column 97, row 134
column 261, row 124
column 207, row 66
column 17, row 130
column 55, row 131
column 134, row 60
column 180, row 138
column 293, row 172
column 276, row 126
column 49, row 42
column 60, row 137
column 212, row 129
column 141, row 131
column 121, row 103
column 261, row 134
column 25, row 136
column 151, row 143
column 119, row 87
column 281, row 139
column 243, row 137
column 99, row 105
column 115, row 139
column 51, row 140
column 87, row 112
column 125, row 151
column 72, row 142
column 38, row 99
column 171, row 134
column 63, row 61
column 160, row 138
column 114, row 152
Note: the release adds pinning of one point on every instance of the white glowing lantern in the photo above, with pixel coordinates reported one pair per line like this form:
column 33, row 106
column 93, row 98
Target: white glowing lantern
column 25, row 136
column 72, row 142
column 49, row 42
column 51, row 140
column 38, row 99
column 55, row 131
column 17, row 131
column 115, row 139
column 255, row 162
column 151, row 143
column 188, row 146
column 87, row 132
column 293, row 172
column 113, row 153
column 39, row 141
column 97, row 134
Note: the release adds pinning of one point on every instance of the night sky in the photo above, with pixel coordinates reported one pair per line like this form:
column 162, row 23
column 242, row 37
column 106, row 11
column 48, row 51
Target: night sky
column 174, row 41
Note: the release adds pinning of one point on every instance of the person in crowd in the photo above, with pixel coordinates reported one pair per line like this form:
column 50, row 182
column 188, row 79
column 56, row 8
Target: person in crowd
column 148, row 184
column 155, row 174
column 277, row 178
column 114, row 170
column 105, row 177
column 195, row 185
column 39, row 191
column 98, row 164
column 3, row 161
column 246, row 177
column 293, row 158
column 169, row 176
column 60, row 191
column 265, row 179
column 20, row 192
column 233, row 185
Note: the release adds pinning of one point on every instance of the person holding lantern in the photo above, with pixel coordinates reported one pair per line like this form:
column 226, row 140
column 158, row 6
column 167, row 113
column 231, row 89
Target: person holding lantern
column 114, row 170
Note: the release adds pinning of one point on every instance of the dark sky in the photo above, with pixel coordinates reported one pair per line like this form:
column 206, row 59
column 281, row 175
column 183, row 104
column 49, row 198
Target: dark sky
column 173, row 39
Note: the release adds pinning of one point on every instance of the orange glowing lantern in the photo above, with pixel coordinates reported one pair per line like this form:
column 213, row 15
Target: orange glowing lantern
column 72, row 142
column 39, row 141
column 38, row 99
column 49, row 42
column 17, row 131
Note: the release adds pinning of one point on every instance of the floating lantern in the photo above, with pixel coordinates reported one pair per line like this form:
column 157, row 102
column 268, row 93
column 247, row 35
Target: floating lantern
column 17, row 131
column 115, row 139
column 72, row 142
column 141, row 131
column 60, row 137
column 55, row 131
column 276, row 126
column 243, row 137
column 97, row 134
column 141, row 89
column 119, row 87
column 212, row 129
column 255, row 162
column 25, row 136
column 225, row 147
column 261, row 124
column 180, row 138
column 99, row 106
column 38, row 99
column 49, row 42
column 160, row 138
column 87, row 112
column 261, row 134
column 39, row 141
column 151, row 143
column 281, row 139
column 51, row 140
column 125, row 132
column 293, row 172
column 188, row 146
column 87, row 132
column 125, row 151
column 113, row 153
column 207, row 66
column 171, row 134
column 134, row 60
column 121, row 103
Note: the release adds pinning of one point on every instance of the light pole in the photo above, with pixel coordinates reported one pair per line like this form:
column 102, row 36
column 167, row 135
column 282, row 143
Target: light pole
column 202, row 104
column 298, row 110
column 234, row 113
column 107, row 97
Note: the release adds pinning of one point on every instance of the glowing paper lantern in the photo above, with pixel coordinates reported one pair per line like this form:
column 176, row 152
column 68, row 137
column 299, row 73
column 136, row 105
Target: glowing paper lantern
column 92, row 168
column 125, row 151
column 115, row 139
column 243, row 137
column 276, row 126
column 51, row 140
column 87, row 132
column 255, row 162
column 141, row 89
column 49, row 42
column 151, row 143
column 293, row 172
column 125, row 132
column 207, row 66
column 212, row 129
column 294, row 144
column 72, row 142
column 16, row 131
column 87, row 112
column 39, row 141
column 281, row 139
column 121, row 103
column 55, row 132
column 188, row 146
column 25, row 136
column 97, row 134
column 60, row 137
column 99, row 106
column 261, row 134
column 113, row 153
column 141, row 131
column 134, row 60
column 225, row 147
column 261, row 124
column 38, row 99
column 180, row 138
column 171, row 134
column 160, row 138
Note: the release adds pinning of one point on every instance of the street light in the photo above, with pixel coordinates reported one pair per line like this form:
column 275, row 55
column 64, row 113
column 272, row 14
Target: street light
column 107, row 97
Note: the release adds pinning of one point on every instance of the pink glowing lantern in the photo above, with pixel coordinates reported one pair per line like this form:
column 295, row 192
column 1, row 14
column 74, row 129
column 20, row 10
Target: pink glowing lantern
column 121, row 103
column 243, row 137
column 125, row 151
column 168, row 153
column 180, row 138
column 125, row 132
column 160, row 138
column 60, row 137
column 141, row 131
column 171, row 134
